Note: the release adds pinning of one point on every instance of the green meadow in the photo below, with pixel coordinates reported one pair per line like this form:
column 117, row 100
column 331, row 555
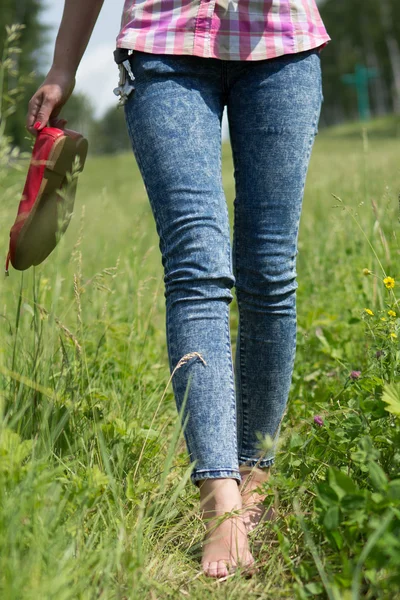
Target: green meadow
column 95, row 496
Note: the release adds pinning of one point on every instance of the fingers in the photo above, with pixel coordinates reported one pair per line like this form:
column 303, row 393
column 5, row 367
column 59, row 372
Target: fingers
column 33, row 109
column 47, row 109
column 42, row 107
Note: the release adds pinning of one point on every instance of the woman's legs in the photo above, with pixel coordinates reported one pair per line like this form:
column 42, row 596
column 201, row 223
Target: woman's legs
column 174, row 121
column 273, row 112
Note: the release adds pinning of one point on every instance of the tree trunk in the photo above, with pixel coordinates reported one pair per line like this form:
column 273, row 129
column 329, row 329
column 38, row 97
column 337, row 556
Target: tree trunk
column 378, row 84
column 393, row 51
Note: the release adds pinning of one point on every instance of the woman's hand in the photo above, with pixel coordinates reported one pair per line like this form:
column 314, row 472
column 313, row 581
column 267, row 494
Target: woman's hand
column 46, row 104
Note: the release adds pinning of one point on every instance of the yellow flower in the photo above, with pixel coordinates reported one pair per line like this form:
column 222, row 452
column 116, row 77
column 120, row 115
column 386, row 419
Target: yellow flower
column 383, row 319
column 391, row 313
column 389, row 282
column 369, row 311
column 367, row 272
column 393, row 335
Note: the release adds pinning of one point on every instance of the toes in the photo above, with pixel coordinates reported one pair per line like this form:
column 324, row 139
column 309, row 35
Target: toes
column 216, row 568
column 205, row 566
column 213, row 569
column 222, row 569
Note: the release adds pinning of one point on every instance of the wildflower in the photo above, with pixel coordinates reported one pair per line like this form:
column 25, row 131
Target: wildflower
column 367, row 272
column 369, row 311
column 265, row 443
column 393, row 335
column 383, row 319
column 389, row 282
column 391, row 313
column 379, row 353
column 318, row 420
column 355, row 374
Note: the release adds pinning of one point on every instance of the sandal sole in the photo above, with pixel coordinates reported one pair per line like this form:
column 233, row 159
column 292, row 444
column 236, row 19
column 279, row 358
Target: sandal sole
column 51, row 213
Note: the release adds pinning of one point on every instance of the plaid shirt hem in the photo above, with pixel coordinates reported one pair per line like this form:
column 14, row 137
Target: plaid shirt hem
column 261, row 29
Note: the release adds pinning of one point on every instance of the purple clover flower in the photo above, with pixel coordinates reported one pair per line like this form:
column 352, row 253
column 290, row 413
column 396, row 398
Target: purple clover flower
column 318, row 420
column 355, row 375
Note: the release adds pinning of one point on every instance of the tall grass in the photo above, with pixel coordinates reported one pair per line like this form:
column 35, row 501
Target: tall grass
column 95, row 497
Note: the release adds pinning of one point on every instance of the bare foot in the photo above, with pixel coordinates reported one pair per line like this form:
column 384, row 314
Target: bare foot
column 225, row 544
column 253, row 496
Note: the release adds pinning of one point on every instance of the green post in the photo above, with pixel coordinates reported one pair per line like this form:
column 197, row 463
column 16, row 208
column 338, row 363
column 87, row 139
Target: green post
column 360, row 79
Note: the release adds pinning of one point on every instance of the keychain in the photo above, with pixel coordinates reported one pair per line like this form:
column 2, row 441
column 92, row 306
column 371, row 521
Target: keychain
column 125, row 84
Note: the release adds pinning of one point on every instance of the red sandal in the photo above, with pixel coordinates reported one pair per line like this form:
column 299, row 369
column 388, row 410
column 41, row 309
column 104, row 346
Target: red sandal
column 43, row 213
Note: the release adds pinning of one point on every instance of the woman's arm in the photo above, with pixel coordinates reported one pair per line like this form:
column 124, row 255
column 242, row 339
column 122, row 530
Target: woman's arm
column 78, row 20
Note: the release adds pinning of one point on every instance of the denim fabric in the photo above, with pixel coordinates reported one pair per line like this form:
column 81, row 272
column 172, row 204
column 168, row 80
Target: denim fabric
column 174, row 122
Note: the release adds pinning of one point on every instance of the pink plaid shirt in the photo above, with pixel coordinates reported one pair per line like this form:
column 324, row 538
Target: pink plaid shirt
column 224, row 29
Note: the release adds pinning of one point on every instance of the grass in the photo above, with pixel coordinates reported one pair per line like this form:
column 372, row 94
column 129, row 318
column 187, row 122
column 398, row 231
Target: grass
column 95, row 497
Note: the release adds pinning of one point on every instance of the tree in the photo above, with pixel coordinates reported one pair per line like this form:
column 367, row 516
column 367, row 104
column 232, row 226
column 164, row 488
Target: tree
column 393, row 49
column 364, row 32
column 78, row 111
column 109, row 134
column 26, row 12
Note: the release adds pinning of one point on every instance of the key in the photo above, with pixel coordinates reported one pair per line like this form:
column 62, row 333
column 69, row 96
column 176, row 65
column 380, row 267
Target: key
column 123, row 92
column 127, row 66
column 124, row 87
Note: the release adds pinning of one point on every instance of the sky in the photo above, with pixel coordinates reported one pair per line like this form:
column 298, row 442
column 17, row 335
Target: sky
column 97, row 74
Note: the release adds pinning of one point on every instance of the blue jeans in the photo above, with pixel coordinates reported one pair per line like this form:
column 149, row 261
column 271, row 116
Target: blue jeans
column 174, row 122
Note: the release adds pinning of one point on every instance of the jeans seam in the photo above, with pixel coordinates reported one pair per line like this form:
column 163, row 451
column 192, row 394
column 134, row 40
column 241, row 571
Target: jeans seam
column 227, row 321
column 198, row 471
column 243, row 376
column 219, row 473
column 232, row 385
column 239, row 342
column 260, row 462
